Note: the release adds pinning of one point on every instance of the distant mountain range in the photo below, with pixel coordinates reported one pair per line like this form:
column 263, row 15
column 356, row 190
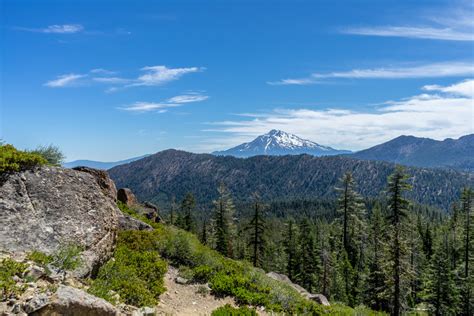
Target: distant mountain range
column 279, row 143
column 99, row 164
column 424, row 152
column 173, row 173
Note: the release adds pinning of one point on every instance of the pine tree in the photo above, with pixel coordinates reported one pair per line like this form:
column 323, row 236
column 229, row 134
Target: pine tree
column 440, row 288
column 397, row 206
column 257, row 230
column 223, row 221
column 468, row 279
column 308, row 258
column 188, row 206
column 376, row 280
column 204, row 233
column 291, row 250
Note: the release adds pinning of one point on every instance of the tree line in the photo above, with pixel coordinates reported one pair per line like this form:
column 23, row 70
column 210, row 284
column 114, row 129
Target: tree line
column 388, row 255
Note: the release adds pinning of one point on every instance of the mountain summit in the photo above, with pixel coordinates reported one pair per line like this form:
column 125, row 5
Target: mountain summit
column 278, row 143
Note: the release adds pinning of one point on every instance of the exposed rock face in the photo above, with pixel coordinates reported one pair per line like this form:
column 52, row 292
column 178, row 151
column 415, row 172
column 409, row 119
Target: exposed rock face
column 319, row 298
column 72, row 301
column 126, row 196
column 45, row 208
column 103, row 180
column 129, row 223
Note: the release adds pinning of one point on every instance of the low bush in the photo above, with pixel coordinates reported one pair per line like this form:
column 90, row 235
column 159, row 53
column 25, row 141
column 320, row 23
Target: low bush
column 67, row 257
column 52, row 154
column 40, row 257
column 12, row 160
column 8, row 269
column 136, row 276
column 228, row 310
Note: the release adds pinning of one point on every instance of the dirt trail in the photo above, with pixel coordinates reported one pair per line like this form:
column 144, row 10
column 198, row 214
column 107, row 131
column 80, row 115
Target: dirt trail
column 185, row 300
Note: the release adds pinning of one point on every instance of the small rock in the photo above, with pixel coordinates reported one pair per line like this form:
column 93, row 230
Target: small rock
column 34, row 272
column 181, row 280
column 36, row 303
column 319, row 298
column 147, row 311
column 16, row 278
column 17, row 309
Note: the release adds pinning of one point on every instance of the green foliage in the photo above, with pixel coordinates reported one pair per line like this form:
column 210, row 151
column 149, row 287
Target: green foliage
column 128, row 211
column 67, row 257
column 223, row 221
column 8, row 269
column 52, row 154
column 137, row 276
column 228, row 310
column 12, row 160
column 40, row 257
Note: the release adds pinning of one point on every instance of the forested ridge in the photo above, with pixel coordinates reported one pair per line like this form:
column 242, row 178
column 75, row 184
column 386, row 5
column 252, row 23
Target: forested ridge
column 172, row 173
column 391, row 255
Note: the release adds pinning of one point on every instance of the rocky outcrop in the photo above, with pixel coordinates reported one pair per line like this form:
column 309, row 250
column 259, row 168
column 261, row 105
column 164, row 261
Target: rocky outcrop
column 129, row 223
column 318, row 298
column 45, row 208
column 126, row 196
column 71, row 301
column 103, row 180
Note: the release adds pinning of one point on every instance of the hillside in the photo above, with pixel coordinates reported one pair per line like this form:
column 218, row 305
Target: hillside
column 170, row 173
column 424, row 152
column 278, row 143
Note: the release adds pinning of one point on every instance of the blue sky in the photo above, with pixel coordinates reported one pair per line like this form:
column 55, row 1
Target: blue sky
column 109, row 80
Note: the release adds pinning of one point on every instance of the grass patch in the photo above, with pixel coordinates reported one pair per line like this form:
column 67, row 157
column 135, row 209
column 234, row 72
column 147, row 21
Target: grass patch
column 8, row 269
column 68, row 257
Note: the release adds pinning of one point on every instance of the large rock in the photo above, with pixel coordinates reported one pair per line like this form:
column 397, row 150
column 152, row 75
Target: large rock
column 319, row 298
column 72, row 301
column 127, row 222
column 45, row 208
column 103, row 180
column 127, row 197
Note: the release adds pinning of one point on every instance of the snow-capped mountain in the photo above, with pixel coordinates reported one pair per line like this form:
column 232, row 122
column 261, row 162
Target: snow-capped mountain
column 277, row 143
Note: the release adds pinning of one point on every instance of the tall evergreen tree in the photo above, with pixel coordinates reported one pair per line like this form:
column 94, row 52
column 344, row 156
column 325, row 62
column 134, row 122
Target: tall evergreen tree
column 440, row 288
column 223, row 221
column 188, row 206
column 398, row 208
column 468, row 278
column 291, row 250
column 376, row 280
column 308, row 257
column 257, row 230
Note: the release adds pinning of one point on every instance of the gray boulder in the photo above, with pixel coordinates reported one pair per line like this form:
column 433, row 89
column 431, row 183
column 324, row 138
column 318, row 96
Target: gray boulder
column 71, row 301
column 318, row 298
column 45, row 208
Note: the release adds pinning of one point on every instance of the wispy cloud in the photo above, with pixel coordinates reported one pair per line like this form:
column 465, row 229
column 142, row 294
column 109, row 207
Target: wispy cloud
column 56, row 29
column 162, row 107
column 445, row 112
column 64, row 81
column 434, row 70
column 453, row 24
column 159, row 75
column 154, row 76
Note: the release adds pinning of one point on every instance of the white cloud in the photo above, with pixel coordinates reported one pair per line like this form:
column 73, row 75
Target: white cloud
column 63, row 29
column 159, row 75
column 434, row 70
column 465, row 88
column 413, row 32
column 103, row 72
column 64, row 81
column 111, row 80
column 187, row 98
column 447, row 113
column 451, row 25
column 162, row 107
column 56, row 29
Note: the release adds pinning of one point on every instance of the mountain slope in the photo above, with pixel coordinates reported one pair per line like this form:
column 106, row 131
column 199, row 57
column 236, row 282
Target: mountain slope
column 99, row 164
column 170, row 173
column 424, row 152
column 278, row 143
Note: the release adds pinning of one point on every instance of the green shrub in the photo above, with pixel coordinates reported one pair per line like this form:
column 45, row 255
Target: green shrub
column 40, row 257
column 201, row 274
column 50, row 153
column 8, row 269
column 67, row 257
column 228, row 310
column 12, row 160
column 136, row 275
